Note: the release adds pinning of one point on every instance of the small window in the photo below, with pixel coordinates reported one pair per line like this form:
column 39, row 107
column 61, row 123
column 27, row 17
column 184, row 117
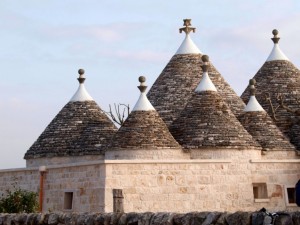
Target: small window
column 260, row 191
column 290, row 195
column 68, row 200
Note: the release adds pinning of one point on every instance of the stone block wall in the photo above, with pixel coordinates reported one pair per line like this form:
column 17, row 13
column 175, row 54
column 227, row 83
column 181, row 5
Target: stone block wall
column 221, row 181
column 202, row 184
column 85, row 181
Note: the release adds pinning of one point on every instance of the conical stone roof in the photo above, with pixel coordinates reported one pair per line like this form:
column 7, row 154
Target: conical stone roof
column 278, row 91
column 80, row 128
column 208, row 123
column 143, row 128
column 176, row 83
column 262, row 128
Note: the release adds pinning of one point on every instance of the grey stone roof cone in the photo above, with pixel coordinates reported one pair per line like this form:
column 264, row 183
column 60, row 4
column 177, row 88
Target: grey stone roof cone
column 143, row 128
column 176, row 83
column 80, row 128
column 278, row 92
column 207, row 122
column 262, row 128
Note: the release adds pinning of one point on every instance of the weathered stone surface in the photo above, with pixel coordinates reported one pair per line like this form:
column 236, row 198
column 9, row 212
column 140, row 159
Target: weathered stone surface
column 115, row 217
column 19, row 219
column 53, row 219
column 296, row 217
column 162, row 219
column 195, row 218
column 207, row 121
column 211, row 218
column 80, row 128
column 177, row 82
column 32, row 219
column 149, row 218
column 257, row 218
column 262, row 128
column 284, row 219
column 241, row 218
column 145, row 218
column 71, row 219
column 222, row 219
column 279, row 77
column 103, row 219
column 143, row 130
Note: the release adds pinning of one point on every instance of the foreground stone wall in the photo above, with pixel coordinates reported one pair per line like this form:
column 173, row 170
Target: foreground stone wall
column 149, row 218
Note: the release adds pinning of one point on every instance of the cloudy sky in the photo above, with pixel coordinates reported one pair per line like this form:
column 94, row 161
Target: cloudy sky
column 44, row 43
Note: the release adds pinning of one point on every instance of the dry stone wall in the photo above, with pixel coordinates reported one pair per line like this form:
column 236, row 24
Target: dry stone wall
column 149, row 218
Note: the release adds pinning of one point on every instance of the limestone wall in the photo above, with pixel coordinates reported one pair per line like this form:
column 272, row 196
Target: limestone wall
column 203, row 184
column 220, row 181
column 85, row 181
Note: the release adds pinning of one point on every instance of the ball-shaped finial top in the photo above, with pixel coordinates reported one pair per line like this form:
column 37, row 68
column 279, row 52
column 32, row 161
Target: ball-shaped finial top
column 142, row 79
column 252, row 81
column 205, row 58
column 275, row 32
column 81, row 71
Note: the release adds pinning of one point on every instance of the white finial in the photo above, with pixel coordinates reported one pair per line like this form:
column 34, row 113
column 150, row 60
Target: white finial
column 143, row 103
column 253, row 105
column 205, row 84
column 276, row 53
column 81, row 94
column 187, row 46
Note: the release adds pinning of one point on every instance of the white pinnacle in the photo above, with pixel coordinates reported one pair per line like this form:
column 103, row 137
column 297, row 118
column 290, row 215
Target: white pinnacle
column 81, row 95
column 188, row 47
column 143, row 104
column 253, row 105
column 205, row 84
column 277, row 54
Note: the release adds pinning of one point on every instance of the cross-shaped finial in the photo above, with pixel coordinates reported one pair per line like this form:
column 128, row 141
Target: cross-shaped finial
column 187, row 27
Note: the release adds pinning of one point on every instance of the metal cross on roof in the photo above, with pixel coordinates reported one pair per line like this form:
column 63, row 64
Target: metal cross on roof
column 187, row 29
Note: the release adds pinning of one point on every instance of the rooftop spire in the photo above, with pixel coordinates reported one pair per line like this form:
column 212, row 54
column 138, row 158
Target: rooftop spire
column 81, row 78
column 187, row 46
column 81, row 93
column 187, row 26
column 143, row 103
column 253, row 105
column 276, row 53
column 205, row 84
column 275, row 39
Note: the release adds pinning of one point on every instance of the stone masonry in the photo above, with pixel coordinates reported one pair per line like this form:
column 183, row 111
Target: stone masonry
column 175, row 85
column 274, row 79
column 207, row 122
column 143, row 130
column 264, row 131
column 80, row 128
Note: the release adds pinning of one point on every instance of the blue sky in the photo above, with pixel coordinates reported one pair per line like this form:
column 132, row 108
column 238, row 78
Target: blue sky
column 44, row 43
